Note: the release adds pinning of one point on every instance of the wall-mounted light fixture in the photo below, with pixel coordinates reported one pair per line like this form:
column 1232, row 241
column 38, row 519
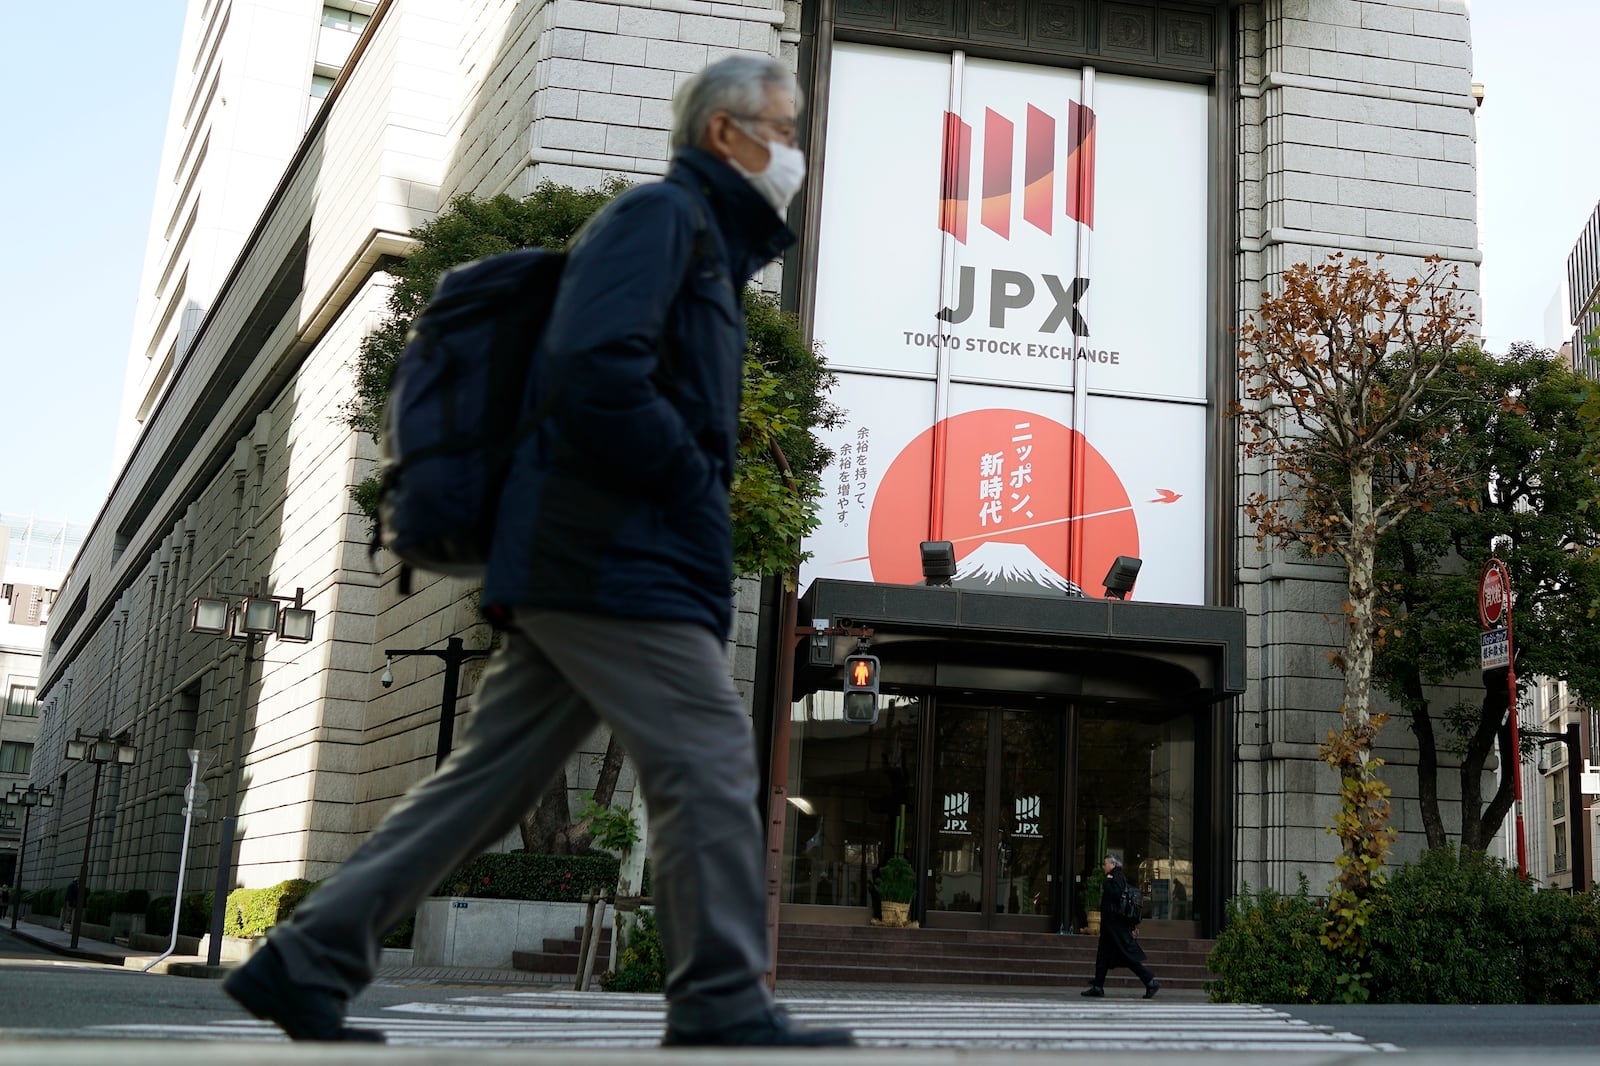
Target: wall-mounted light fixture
column 1120, row 578
column 938, row 561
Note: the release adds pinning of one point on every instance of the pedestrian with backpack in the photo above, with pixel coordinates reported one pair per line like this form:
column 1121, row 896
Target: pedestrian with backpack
column 1119, row 923
column 609, row 576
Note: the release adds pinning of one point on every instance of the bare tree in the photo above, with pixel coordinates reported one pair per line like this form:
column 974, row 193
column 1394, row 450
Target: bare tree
column 1339, row 405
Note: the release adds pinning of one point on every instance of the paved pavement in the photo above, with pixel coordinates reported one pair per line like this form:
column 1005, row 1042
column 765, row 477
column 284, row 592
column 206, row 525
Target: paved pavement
column 507, row 1016
column 59, row 940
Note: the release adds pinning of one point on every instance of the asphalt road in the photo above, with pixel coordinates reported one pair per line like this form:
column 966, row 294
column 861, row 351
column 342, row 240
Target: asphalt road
column 49, row 997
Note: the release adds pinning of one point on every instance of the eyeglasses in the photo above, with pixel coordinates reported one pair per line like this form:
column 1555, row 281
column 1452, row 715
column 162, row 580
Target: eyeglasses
column 787, row 129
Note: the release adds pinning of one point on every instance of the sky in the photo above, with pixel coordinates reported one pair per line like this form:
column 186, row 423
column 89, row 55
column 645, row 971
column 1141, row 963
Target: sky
column 82, row 153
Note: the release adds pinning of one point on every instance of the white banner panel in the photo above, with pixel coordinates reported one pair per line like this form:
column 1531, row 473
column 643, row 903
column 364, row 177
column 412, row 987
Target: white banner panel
column 886, row 422
column 1157, row 452
column 878, row 254
column 1063, row 244
column 1017, row 170
column 1147, row 299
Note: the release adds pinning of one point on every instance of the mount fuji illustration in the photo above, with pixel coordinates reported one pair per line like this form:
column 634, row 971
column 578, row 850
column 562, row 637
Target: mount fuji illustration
column 1004, row 567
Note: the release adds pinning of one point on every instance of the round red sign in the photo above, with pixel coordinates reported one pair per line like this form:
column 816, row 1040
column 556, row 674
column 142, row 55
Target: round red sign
column 1494, row 594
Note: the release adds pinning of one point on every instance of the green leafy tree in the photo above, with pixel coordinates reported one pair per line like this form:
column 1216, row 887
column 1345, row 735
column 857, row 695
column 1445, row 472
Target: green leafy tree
column 1521, row 440
column 786, row 380
column 778, row 477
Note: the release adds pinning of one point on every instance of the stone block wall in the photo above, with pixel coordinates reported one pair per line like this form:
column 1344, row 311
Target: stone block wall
column 1356, row 133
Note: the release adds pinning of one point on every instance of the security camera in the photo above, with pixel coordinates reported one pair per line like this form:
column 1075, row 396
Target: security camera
column 388, row 675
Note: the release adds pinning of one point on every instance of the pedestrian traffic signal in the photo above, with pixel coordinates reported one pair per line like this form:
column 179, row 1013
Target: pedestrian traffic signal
column 861, row 689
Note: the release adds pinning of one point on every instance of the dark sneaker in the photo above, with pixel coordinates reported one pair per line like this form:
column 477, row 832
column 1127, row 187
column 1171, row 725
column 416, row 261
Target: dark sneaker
column 1151, row 989
column 1093, row 992
column 262, row 986
column 774, row 1031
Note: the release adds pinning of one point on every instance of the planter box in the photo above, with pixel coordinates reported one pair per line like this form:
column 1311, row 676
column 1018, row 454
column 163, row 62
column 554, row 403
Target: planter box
column 455, row 931
column 126, row 924
column 187, row 945
column 395, row 959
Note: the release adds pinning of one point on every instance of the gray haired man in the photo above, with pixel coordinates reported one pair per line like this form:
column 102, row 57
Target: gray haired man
column 609, row 581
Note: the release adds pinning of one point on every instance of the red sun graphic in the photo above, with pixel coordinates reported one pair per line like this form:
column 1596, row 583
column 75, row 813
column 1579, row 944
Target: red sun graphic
column 1008, row 504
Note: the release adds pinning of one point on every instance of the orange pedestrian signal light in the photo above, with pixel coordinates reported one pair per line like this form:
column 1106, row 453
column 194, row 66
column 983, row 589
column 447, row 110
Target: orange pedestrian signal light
column 861, row 689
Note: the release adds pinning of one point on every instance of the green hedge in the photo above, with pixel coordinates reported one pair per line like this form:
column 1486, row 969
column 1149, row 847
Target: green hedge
column 1269, row 951
column 1449, row 929
column 194, row 919
column 252, row 911
column 1453, row 927
column 46, row 900
column 100, row 906
column 400, row 935
column 518, row 875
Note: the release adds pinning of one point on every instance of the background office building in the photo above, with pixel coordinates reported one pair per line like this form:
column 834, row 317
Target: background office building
column 1029, row 231
column 34, row 556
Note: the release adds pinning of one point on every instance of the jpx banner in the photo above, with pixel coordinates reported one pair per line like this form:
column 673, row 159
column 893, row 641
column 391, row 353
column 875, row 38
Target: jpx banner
column 1012, row 282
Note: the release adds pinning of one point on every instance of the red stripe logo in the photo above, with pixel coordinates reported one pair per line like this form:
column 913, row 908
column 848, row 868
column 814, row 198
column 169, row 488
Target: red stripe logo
column 998, row 181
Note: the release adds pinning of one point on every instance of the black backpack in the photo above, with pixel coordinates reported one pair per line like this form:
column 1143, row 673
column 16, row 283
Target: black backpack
column 1131, row 905
column 455, row 413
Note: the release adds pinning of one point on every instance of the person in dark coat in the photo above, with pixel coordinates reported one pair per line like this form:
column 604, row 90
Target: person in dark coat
column 1119, row 945
column 610, row 580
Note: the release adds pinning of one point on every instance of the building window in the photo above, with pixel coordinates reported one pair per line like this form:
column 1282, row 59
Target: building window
column 15, row 757
column 337, row 18
column 21, row 702
column 320, row 84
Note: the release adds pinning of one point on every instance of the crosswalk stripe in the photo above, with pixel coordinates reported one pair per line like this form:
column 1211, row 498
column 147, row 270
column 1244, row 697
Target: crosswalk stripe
column 576, row 1019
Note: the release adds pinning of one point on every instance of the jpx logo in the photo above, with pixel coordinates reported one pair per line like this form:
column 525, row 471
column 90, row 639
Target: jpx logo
column 1038, row 171
column 1012, row 290
column 1027, row 817
column 957, row 812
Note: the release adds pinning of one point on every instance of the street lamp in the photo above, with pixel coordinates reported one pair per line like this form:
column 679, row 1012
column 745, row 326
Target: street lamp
column 256, row 617
column 99, row 749
column 26, row 798
column 1570, row 737
column 454, row 653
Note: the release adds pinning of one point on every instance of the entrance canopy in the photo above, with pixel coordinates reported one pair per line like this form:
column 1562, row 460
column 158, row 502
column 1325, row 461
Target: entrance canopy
column 1090, row 650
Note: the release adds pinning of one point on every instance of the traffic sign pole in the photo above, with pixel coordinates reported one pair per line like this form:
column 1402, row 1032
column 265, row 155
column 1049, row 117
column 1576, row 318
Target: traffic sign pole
column 1494, row 609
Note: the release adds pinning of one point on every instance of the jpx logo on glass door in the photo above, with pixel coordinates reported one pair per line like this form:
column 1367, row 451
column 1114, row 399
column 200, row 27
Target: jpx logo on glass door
column 957, row 813
column 1027, row 817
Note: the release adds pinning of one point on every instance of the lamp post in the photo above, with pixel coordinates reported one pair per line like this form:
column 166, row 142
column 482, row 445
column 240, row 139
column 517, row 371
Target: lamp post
column 257, row 616
column 100, row 749
column 1570, row 737
column 27, row 798
column 454, row 653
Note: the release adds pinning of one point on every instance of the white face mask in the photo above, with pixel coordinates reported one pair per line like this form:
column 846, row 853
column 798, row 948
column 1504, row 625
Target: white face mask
column 781, row 180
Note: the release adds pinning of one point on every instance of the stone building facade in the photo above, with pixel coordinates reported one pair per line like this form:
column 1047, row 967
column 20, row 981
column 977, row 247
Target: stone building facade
column 1332, row 125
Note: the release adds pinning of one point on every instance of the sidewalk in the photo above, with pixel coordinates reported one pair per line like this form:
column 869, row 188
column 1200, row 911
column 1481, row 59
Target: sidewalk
column 178, row 965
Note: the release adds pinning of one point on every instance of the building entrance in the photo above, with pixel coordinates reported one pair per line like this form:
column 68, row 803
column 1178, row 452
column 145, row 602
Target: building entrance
column 994, row 832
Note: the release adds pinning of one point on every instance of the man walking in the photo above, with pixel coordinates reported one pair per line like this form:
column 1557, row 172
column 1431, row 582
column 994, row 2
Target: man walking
column 610, row 581
column 1118, row 944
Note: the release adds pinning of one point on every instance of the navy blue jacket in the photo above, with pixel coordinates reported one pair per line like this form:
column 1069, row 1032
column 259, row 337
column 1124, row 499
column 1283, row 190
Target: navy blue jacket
column 617, row 504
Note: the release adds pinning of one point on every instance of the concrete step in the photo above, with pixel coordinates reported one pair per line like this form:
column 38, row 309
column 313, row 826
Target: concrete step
column 863, row 953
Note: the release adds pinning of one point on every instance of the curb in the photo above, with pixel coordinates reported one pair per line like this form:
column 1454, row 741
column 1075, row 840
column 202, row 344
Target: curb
column 72, row 953
column 198, row 969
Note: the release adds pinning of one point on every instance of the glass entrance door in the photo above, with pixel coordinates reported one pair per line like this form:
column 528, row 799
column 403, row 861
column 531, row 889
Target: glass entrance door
column 996, row 818
column 1136, row 797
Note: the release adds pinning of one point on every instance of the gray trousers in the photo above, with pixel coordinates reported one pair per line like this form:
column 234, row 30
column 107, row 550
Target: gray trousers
column 664, row 689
